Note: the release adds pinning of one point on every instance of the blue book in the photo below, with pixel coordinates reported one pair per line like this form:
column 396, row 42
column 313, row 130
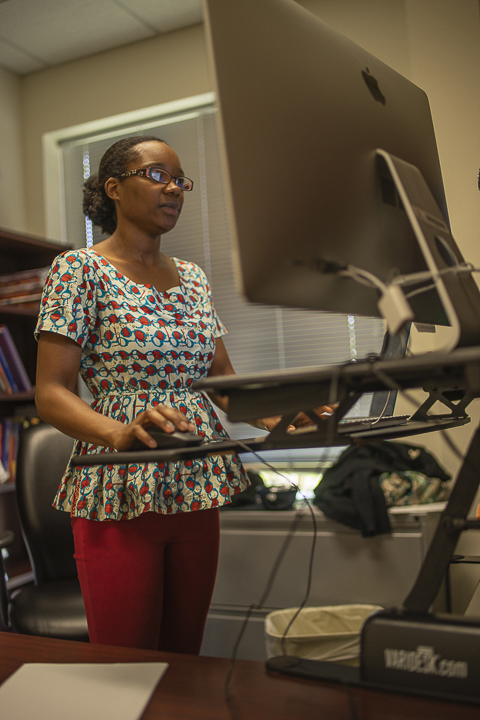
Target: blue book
column 7, row 371
column 14, row 361
column 5, row 448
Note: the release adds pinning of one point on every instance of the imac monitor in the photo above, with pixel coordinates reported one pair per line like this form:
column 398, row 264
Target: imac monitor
column 303, row 111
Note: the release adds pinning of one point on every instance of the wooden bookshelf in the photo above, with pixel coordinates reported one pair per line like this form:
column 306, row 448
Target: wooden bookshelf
column 26, row 252
column 17, row 403
column 20, row 252
column 23, row 252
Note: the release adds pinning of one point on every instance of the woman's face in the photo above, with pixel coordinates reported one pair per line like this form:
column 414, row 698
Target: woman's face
column 150, row 206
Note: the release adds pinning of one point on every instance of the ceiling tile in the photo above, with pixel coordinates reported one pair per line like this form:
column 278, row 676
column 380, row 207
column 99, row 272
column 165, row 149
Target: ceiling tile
column 59, row 30
column 166, row 15
column 17, row 60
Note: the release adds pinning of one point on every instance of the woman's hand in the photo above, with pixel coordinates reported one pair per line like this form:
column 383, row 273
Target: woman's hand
column 222, row 365
column 324, row 412
column 301, row 420
column 166, row 418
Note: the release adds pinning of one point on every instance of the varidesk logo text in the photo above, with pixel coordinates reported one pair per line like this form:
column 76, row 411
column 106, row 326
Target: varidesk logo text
column 424, row 660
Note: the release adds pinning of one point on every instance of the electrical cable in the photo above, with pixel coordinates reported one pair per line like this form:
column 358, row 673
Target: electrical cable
column 414, row 278
column 384, row 409
column 367, row 278
column 298, row 517
column 228, row 693
column 364, row 277
column 421, row 290
column 411, row 281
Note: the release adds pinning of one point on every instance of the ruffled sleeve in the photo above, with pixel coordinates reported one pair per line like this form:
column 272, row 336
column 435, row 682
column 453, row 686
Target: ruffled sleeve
column 68, row 305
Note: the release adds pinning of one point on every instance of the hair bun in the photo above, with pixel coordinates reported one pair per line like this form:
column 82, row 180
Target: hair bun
column 92, row 183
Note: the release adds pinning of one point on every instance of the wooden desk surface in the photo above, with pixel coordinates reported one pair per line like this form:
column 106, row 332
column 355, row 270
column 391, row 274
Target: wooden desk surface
column 193, row 687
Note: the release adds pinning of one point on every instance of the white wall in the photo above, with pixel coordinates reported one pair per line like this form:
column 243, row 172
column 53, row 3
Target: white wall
column 12, row 191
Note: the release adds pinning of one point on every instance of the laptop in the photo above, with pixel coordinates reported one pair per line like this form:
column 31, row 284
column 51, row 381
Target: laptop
column 381, row 413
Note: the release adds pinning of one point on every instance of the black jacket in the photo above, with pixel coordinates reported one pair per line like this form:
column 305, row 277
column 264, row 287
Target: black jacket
column 349, row 491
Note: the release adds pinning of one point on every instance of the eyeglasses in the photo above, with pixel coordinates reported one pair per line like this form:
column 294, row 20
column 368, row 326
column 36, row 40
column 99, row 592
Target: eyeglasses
column 160, row 176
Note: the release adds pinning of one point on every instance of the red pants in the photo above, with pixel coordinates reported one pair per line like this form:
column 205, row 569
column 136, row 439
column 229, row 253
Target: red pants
column 148, row 582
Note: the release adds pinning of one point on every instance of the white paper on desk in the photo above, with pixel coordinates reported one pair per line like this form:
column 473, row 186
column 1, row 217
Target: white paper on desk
column 77, row 691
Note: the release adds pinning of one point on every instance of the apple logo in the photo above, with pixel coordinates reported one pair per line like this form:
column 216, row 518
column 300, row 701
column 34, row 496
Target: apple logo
column 372, row 84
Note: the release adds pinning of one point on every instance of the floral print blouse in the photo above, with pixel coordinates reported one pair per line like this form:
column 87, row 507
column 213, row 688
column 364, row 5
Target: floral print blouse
column 141, row 347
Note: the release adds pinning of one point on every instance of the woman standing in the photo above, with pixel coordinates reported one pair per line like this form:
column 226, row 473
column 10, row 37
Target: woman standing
column 140, row 327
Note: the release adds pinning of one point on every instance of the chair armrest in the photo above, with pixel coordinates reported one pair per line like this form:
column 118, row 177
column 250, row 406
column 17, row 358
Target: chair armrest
column 6, row 539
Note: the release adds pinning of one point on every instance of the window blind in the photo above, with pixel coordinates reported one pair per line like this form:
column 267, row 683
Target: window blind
column 259, row 337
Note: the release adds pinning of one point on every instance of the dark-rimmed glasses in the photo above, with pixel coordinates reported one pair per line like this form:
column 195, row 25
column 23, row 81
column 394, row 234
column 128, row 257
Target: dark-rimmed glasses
column 160, row 176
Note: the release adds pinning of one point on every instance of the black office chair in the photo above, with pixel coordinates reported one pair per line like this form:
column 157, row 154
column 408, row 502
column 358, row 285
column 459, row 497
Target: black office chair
column 53, row 605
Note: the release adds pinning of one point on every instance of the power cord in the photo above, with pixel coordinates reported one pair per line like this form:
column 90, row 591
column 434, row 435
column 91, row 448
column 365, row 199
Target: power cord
column 228, row 692
column 367, row 278
column 383, row 411
column 293, row 528
column 393, row 303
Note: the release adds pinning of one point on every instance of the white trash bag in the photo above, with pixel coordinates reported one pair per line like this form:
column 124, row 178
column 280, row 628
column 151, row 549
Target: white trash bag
column 319, row 633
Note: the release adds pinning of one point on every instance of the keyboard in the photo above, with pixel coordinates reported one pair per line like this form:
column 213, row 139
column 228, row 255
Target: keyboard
column 351, row 425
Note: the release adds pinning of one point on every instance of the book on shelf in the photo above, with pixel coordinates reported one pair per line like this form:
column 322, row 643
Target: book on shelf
column 21, row 287
column 13, row 375
column 20, row 299
column 10, row 430
column 12, row 386
column 5, row 387
column 24, row 275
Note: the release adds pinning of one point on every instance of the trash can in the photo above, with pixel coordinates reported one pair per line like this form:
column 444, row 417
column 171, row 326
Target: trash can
column 330, row 633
